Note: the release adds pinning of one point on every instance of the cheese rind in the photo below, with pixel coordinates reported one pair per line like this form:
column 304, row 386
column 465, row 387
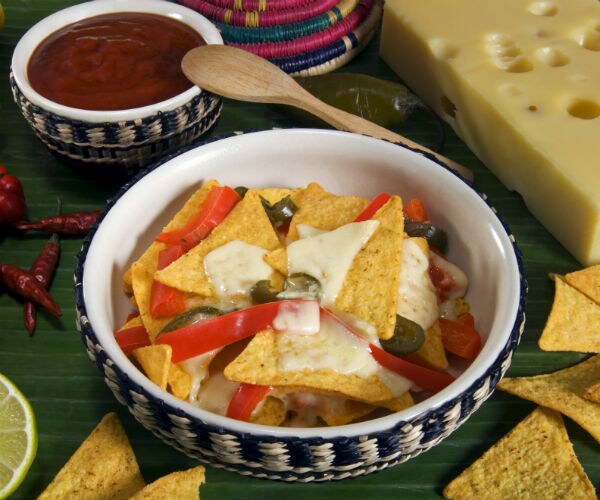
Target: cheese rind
column 519, row 81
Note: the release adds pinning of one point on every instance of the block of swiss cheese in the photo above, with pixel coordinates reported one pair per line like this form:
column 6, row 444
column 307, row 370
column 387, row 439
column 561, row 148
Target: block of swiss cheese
column 519, row 81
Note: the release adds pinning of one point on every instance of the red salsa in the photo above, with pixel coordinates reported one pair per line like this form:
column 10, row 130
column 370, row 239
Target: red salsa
column 113, row 61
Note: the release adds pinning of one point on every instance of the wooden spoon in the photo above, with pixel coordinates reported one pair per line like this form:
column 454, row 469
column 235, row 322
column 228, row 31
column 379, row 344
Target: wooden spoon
column 238, row 74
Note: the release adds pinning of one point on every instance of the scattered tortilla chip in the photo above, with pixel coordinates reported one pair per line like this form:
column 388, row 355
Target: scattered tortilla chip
column 573, row 323
column 534, row 460
column 586, row 281
column 432, row 352
column 104, row 466
column 155, row 360
column 247, row 222
column 323, row 210
column 592, row 393
column 259, row 364
column 561, row 391
column 179, row 382
column 182, row 485
column 378, row 264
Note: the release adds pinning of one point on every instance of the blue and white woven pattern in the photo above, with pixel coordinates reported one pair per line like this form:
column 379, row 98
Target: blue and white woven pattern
column 292, row 459
column 128, row 145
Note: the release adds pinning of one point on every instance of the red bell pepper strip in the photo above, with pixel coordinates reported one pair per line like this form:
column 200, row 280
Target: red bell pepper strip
column 132, row 338
column 370, row 210
column 460, row 336
column 415, row 210
column 426, row 378
column 166, row 301
column 215, row 333
column 245, row 400
column 218, row 203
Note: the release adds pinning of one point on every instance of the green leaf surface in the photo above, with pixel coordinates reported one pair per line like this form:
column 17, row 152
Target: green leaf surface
column 69, row 396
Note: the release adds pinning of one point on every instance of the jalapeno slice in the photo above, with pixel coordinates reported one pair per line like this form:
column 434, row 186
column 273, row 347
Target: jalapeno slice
column 196, row 315
column 300, row 286
column 435, row 236
column 281, row 211
column 408, row 337
column 261, row 292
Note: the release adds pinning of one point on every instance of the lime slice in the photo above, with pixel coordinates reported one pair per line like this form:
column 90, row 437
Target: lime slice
column 18, row 437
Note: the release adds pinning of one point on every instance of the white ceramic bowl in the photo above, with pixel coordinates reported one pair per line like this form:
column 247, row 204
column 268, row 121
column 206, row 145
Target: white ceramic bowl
column 343, row 163
column 129, row 138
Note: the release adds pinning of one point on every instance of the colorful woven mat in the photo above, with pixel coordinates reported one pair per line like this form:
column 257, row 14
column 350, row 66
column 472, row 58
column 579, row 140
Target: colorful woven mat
column 314, row 45
column 336, row 54
column 260, row 5
column 255, row 18
column 284, row 32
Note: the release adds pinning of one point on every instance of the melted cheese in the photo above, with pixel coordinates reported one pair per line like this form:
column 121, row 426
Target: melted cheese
column 417, row 299
column 328, row 256
column 235, row 267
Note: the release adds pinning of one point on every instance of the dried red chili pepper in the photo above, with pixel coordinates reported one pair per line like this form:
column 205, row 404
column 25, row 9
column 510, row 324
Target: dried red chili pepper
column 73, row 223
column 42, row 269
column 26, row 285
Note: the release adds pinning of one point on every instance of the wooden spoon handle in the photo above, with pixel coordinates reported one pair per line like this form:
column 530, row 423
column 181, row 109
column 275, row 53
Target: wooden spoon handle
column 343, row 120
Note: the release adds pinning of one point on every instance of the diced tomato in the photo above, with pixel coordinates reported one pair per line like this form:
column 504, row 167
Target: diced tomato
column 415, row 210
column 132, row 338
column 218, row 332
column 460, row 336
column 370, row 210
column 217, row 205
column 442, row 281
column 245, row 400
column 166, row 301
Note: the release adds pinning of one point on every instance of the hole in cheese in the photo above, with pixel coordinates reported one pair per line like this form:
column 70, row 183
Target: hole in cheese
column 448, row 106
column 584, row 109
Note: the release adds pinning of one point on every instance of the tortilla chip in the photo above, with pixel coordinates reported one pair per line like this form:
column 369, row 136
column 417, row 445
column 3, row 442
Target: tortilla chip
column 247, row 222
column 278, row 260
column 592, row 393
column 270, row 412
column 323, row 210
column 378, row 264
column 432, row 352
column 140, row 276
column 398, row 403
column 104, row 466
column 259, row 364
column 562, row 391
column 182, row 485
column 573, row 323
column 534, row 460
column 155, row 360
column 179, row 382
column 586, row 281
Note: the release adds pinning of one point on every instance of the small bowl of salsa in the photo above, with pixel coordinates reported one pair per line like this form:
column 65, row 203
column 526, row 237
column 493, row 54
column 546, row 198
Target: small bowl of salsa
column 100, row 83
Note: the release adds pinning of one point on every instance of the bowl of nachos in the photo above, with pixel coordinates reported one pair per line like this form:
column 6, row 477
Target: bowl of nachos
column 300, row 305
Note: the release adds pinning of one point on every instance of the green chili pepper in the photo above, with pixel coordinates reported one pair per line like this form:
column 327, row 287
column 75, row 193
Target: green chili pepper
column 196, row 315
column 280, row 212
column 261, row 292
column 300, row 286
column 385, row 102
column 408, row 337
column 436, row 237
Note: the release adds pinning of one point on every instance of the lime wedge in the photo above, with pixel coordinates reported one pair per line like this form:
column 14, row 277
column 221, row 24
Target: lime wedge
column 18, row 437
